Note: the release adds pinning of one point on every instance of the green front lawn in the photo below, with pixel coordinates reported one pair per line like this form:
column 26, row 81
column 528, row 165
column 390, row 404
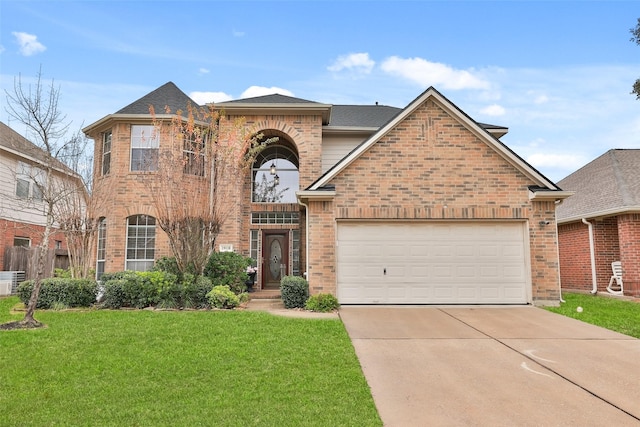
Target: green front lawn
column 186, row 368
column 609, row 312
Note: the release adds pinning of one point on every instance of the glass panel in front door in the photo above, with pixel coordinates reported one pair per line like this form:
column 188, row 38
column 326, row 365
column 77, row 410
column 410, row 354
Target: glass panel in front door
column 275, row 259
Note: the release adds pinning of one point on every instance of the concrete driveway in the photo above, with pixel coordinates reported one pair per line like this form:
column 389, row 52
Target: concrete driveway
column 494, row 366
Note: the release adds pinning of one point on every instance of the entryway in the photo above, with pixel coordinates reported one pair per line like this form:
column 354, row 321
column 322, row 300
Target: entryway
column 275, row 257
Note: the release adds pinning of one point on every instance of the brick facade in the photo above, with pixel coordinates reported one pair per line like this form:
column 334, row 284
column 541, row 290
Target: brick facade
column 9, row 230
column 615, row 239
column 431, row 168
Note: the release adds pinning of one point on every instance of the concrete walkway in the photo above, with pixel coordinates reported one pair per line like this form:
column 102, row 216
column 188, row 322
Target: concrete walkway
column 494, row 366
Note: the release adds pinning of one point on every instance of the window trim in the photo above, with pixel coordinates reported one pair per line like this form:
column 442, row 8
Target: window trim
column 106, row 152
column 101, row 249
column 137, row 142
column 149, row 235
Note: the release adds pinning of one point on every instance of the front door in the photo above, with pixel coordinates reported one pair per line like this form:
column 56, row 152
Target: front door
column 275, row 257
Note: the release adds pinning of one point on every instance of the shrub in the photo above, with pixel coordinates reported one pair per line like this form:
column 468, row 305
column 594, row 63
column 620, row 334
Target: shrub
column 223, row 297
column 294, row 291
column 228, row 269
column 141, row 289
column 168, row 265
column 195, row 290
column 323, row 303
column 58, row 292
column 114, row 294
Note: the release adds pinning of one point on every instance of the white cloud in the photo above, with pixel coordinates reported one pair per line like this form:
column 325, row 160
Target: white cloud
column 359, row 63
column 208, row 97
column 1, row 48
column 238, row 33
column 29, row 44
column 260, row 91
column 427, row 73
column 493, row 110
column 203, row 71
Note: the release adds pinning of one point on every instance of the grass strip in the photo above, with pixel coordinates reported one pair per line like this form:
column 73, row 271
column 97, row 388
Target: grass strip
column 613, row 313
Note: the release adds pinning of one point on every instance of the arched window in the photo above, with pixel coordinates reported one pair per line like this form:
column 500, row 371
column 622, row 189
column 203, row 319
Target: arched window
column 275, row 176
column 141, row 242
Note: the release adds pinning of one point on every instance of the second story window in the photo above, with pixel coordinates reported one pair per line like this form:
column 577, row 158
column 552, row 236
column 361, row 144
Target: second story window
column 106, row 153
column 29, row 182
column 193, row 154
column 145, row 143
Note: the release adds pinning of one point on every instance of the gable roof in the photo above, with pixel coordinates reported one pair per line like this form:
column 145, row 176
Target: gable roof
column 543, row 184
column 167, row 95
column 12, row 142
column 606, row 186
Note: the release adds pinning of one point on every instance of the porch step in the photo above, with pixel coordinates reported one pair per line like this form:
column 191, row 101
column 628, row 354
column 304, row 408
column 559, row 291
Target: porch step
column 265, row 294
column 265, row 300
column 266, row 304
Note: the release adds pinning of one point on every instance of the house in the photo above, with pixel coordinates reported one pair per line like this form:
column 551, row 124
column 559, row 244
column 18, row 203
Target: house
column 378, row 205
column 601, row 222
column 22, row 217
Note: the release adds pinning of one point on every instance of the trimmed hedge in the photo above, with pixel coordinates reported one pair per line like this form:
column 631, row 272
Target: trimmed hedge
column 294, row 291
column 57, row 291
column 155, row 289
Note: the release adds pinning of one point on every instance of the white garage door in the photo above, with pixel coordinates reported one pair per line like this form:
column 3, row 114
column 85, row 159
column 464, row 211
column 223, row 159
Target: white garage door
column 432, row 263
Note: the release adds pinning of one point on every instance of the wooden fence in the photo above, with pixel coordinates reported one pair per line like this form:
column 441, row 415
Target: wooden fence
column 26, row 259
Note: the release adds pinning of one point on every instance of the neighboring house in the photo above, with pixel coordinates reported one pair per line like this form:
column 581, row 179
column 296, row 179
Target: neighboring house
column 22, row 218
column 607, row 198
column 380, row 205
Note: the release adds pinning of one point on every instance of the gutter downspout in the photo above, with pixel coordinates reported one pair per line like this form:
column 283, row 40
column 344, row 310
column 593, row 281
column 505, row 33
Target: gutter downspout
column 594, row 279
column 306, row 240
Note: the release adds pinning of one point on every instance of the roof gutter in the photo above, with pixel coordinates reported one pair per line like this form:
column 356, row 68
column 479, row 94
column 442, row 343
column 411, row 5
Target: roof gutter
column 592, row 252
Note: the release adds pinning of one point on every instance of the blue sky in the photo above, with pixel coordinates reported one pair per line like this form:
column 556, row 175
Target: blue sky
column 558, row 74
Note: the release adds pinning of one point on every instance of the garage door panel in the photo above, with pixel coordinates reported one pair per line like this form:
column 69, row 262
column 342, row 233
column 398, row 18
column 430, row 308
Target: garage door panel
column 448, row 263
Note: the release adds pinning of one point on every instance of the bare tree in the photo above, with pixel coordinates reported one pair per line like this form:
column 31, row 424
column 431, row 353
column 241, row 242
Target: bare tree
column 198, row 178
column 635, row 37
column 36, row 106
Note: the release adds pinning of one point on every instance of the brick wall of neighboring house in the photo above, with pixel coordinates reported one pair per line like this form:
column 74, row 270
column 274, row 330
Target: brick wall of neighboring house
column 629, row 237
column 615, row 239
column 607, row 248
column 575, row 256
column 432, row 168
column 11, row 229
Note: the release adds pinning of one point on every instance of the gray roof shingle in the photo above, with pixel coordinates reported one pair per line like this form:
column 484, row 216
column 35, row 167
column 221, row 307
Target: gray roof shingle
column 362, row 115
column 167, row 95
column 275, row 98
column 609, row 183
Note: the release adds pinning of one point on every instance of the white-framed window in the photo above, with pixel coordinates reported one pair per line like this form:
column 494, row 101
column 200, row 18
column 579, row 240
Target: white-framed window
column 141, row 242
column 193, row 151
column 145, row 143
column 275, row 176
column 102, row 247
column 23, row 242
column 106, row 152
column 29, row 182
